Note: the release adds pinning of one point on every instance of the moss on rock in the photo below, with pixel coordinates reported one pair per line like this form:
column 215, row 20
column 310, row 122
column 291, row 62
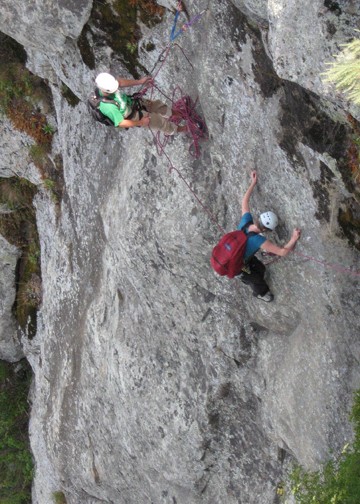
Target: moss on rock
column 116, row 26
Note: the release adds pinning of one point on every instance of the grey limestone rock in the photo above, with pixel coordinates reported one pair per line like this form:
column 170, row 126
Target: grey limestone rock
column 155, row 380
column 10, row 347
column 303, row 37
column 15, row 160
column 44, row 25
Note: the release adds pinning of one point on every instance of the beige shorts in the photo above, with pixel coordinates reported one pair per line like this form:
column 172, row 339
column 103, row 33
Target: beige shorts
column 159, row 114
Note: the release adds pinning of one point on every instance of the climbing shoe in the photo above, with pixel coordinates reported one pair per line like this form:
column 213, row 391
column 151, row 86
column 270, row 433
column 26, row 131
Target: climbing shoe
column 268, row 297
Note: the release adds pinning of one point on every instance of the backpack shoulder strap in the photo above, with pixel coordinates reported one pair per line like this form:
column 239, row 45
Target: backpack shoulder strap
column 104, row 100
column 244, row 228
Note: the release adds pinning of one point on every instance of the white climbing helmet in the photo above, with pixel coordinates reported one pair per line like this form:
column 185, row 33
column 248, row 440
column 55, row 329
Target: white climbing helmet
column 269, row 220
column 106, row 83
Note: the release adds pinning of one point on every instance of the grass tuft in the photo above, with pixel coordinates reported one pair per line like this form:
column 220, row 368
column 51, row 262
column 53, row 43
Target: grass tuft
column 344, row 72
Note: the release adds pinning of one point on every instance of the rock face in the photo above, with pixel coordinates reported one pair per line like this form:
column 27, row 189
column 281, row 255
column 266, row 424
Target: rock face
column 44, row 25
column 155, row 380
column 10, row 348
column 15, row 159
column 300, row 55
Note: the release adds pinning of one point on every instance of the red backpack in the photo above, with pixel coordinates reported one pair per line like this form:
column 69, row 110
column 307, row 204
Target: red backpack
column 227, row 257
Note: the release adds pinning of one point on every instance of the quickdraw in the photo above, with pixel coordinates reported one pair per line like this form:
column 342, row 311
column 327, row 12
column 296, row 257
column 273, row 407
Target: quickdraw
column 180, row 8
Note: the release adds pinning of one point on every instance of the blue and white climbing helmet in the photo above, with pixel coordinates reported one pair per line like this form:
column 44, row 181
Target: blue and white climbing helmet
column 269, row 220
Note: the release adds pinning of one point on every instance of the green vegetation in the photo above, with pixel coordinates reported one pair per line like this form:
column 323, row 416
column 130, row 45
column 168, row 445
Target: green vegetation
column 17, row 95
column 118, row 23
column 69, row 96
column 49, row 184
column 16, row 467
column 338, row 481
column 59, row 498
column 150, row 11
column 38, row 154
column 18, row 226
column 345, row 71
column 21, row 92
column 132, row 48
column 48, row 129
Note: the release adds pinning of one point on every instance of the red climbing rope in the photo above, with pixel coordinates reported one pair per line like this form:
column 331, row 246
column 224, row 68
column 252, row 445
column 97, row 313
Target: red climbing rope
column 185, row 110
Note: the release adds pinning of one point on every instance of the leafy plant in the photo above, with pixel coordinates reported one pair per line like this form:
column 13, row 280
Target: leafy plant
column 344, row 72
column 132, row 48
column 51, row 186
column 338, row 480
column 48, row 129
column 14, row 84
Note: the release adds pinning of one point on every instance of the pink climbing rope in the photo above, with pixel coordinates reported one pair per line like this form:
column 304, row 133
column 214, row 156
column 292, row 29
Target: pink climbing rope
column 185, row 110
column 334, row 267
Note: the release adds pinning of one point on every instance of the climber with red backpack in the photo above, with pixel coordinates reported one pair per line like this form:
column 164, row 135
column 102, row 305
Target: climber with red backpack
column 111, row 107
column 234, row 255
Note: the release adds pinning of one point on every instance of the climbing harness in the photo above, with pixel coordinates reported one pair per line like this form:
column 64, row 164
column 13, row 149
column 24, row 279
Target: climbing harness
column 137, row 107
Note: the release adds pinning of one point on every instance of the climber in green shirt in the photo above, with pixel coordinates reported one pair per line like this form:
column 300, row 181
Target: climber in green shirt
column 154, row 114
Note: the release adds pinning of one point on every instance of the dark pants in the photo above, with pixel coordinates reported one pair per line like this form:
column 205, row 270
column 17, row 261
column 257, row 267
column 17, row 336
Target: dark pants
column 256, row 277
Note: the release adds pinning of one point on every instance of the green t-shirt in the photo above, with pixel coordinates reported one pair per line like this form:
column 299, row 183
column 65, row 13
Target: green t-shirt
column 114, row 113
